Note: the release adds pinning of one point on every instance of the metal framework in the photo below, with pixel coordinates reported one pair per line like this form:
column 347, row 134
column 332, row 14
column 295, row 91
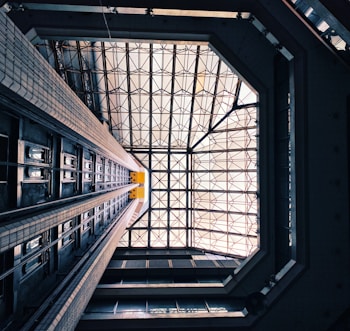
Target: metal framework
column 191, row 120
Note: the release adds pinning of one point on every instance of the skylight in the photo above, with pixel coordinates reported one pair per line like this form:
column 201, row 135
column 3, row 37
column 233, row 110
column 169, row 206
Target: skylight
column 192, row 121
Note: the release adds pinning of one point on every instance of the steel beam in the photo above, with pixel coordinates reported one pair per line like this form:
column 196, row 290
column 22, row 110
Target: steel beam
column 105, row 75
column 213, row 129
column 127, row 56
column 217, row 79
column 96, row 6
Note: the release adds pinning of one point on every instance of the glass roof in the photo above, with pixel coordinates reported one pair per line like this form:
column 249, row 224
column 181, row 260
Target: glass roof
column 191, row 120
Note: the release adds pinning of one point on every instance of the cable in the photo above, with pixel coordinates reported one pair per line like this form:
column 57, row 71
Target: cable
column 105, row 20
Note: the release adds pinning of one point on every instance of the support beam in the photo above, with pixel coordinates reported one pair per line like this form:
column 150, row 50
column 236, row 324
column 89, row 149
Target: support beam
column 105, row 75
column 127, row 55
column 217, row 79
column 195, row 78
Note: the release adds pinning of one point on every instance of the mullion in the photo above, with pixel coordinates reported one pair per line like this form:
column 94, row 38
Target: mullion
column 217, row 79
column 173, row 72
column 150, row 135
column 105, row 76
column 127, row 59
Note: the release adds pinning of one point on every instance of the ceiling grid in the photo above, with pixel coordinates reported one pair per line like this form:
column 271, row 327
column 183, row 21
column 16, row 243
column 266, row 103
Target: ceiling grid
column 191, row 120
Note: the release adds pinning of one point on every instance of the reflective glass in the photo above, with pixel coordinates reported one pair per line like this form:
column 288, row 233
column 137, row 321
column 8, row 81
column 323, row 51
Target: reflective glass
column 162, row 306
column 125, row 306
column 192, row 306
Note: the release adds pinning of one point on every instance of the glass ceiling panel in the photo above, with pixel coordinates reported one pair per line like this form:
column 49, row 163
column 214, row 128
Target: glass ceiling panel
column 191, row 120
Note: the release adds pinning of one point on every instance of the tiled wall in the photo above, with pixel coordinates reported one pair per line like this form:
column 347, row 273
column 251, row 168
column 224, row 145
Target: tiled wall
column 25, row 72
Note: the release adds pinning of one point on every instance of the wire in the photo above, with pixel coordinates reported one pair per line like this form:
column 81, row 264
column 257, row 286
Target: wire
column 105, row 20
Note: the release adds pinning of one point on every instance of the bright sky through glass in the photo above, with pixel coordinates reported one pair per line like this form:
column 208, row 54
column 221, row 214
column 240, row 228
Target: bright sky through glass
column 192, row 122
column 204, row 166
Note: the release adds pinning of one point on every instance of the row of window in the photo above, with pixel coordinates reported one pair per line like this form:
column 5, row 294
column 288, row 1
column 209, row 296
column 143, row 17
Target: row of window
column 35, row 252
column 173, row 263
column 74, row 233
column 80, row 171
column 37, row 166
column 165, row 279
column 38, row 157
column 164, row 306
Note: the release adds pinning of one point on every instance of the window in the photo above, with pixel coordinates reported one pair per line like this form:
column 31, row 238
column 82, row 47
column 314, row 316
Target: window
column 130, row 306
column 70, row 167
column 33, row 245
column 69, row 175
column 87, row 176
column 34, row 263
column 87, row 170
column 87, row 225
column 165, row 306
column 36, row 177
column 162, row 306
column 87, row 220
column 67, row 227
column 108, row 171
column 29, row 250
column 113, row 171
column 70, row 161
column 35, row 172
column 88, row 165
column 36, row 153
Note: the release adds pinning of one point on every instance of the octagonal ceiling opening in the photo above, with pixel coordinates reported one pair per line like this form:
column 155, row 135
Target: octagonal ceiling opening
column 192, row 121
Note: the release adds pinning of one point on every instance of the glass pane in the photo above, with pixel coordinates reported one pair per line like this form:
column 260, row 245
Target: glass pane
column 101, row 306
column 162, row 306
column 125, row 306
column 36, row 153
column 224, row 305
column 192, row 306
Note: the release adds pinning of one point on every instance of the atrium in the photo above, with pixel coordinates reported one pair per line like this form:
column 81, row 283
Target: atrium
column 178, row 165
